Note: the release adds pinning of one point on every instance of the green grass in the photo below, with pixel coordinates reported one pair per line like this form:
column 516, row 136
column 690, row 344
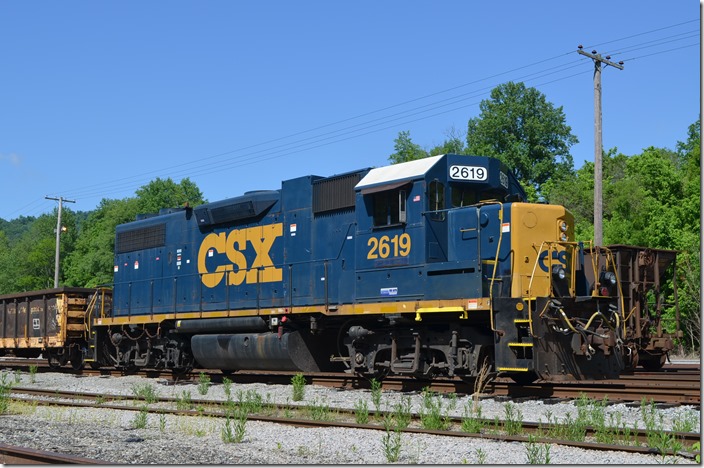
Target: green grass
column 146, row 392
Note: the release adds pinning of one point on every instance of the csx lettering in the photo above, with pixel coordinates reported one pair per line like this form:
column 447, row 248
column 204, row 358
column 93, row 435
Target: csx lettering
column 233, row 245
column 560, row 256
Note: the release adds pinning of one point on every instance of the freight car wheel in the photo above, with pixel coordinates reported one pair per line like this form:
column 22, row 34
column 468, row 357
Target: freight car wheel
column 56, row 359
column 77, row 361
column 654, row 363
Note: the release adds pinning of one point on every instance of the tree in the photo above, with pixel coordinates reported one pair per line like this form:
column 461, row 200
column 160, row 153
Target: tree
column 91, row 262
column 522, row 129
column 165, row 193
column 30, row 258
column 453, row 144
column 406, row 150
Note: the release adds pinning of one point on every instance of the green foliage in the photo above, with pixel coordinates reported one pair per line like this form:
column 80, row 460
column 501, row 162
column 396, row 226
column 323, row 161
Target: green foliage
column 184, row 401
column 537, row 454
column 431, row 412
column 453, row 144
column 513, row 422
column 319, row 411
column 361, row 413
column 525, row 131
column 27, row 244
column 165, row 193
column 391, row 440
column 235, row 428
column 376, row 394
column 146, row 392
column 251, row 402
column 141, row 418
column 406, row 150
column 650, row 199
column 203, row 383
column 227, row 387
column 90, row 263
column 28, row 262
column 298, row 382
column 5, row 390
column 402, row 413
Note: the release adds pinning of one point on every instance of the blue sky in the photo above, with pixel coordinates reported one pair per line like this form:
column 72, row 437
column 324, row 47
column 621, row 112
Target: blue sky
column 99, row 98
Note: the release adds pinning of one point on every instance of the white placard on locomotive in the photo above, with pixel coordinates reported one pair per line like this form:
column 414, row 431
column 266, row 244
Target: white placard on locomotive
column 475, row 173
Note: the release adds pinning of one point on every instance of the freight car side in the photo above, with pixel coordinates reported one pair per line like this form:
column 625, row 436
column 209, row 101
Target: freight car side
column 51, row 322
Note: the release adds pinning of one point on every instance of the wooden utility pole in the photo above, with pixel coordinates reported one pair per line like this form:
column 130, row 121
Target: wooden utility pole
column 61, row 201
column 598, row 204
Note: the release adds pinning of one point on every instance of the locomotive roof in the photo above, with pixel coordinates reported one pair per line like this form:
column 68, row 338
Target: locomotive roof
column 397, row 172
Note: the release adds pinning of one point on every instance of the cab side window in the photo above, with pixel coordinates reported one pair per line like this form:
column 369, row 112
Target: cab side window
column 462, row 196
column 436, row 200
column 389, row 208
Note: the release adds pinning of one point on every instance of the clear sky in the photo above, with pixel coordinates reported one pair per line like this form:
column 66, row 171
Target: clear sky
column 99, row 98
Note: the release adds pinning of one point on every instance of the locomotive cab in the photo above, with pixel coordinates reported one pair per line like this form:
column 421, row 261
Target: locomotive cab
column 476, row 275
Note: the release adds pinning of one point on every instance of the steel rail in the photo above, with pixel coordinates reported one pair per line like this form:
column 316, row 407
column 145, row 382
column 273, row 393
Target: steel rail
column 13, row 455
column 531, row 428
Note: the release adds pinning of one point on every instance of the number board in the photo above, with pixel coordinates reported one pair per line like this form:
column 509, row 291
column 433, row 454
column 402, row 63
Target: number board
column 473, row 173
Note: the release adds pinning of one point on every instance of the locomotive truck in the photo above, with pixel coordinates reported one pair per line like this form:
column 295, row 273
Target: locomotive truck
column 431, row 267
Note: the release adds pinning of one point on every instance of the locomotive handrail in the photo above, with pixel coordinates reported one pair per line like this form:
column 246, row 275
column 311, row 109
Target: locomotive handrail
column 620, row 289
column 91, row 307
column 595, row 269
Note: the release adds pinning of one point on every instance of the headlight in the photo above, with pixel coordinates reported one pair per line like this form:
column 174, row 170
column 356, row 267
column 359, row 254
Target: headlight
column 610, row 278
column 563, row 226
column 563, row 237
column 558, row 272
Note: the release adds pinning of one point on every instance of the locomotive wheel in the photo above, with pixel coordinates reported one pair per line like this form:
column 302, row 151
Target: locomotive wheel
column 178, row 372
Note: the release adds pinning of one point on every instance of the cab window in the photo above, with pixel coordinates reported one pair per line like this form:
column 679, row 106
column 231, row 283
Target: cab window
column 389, row 208
column 436, row 200
column 462, row 196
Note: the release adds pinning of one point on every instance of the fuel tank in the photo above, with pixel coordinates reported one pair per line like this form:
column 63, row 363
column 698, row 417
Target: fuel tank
column 254, row 351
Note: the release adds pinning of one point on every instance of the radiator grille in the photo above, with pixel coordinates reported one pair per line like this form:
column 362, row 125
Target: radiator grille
column 334, row 193
column 142, row 238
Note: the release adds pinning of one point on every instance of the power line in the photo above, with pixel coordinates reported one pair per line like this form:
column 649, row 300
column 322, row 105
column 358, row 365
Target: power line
column 341, row 134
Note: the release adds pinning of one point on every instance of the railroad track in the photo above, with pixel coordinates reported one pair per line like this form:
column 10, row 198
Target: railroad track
column 11, row 455
column 635, row 441
column 674, row 384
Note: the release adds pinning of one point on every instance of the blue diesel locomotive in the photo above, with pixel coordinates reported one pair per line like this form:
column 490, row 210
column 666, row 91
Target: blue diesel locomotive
column 434, row 266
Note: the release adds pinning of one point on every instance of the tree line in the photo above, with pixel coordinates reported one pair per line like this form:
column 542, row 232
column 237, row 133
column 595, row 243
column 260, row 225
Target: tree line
column 651, row 199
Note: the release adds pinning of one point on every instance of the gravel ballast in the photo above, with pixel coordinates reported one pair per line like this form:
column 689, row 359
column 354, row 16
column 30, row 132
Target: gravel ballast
column 111, row 436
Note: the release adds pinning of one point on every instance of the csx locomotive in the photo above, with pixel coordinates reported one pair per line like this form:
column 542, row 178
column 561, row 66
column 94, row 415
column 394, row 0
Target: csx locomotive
column 431, row 267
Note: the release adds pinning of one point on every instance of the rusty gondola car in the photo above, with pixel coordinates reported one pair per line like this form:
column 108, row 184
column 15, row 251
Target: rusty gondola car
column 55, row 323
